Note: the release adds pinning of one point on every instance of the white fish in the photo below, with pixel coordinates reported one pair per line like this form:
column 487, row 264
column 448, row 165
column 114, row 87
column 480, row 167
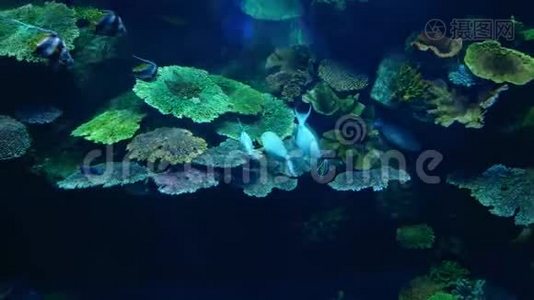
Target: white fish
column 274, row 147
column 305, row 139
column 247, row 144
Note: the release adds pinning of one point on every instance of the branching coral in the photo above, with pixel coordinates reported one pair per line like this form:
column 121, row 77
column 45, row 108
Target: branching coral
column 187, row 181
column 461, row 76
column 416, row 237
column 489, row 60
column 243, row 98
column 469, row 289
column 228, row 154
column 276, row 117
column 105, row 175
column 14, row 138
column 408, row 84
column 341, row 78
column 441, row 46
column 184, row 92
column 20, row 41
column 110, row 127
column 169, row 145
column 38, row 114
column 326, row 102
column 272, row 10
column 506, row 191
column 376, row 179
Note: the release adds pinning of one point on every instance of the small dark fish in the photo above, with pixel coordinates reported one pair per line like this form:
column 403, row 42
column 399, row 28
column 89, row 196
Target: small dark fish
column 89, row 170
column 54, row 49
column 145, row 71
column 399, row 137
column 110, row 24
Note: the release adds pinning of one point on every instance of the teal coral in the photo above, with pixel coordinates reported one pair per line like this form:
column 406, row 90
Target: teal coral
column 168, row 145
column 416, row 237
column 110, row 127
column 228, row 154
column 268, row 182
column 443, row 296
column 272, row 10
column 19, row 41
column 243, row 98
column 382, row 90
column 506, row 191
column 276, row 117
column 105, row 175
column 489, row 60
column 448, row 273
column 187, row 181
column 14, row 138
column 375, row 179
column 185, row 93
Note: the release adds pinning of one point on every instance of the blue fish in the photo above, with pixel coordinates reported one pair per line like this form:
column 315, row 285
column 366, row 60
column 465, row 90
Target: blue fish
column 110, row 24
column 145, row 71
column 398, row 136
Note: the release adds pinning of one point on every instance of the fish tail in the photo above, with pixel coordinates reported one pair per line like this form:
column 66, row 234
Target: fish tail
column 302, row 117
column 291, row 168
column 144, row 60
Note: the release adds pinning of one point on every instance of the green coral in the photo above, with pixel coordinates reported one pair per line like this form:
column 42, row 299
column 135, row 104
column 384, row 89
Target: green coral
column 416, row 237
column 448, row 273
column 489, row 60
column 228, row 154
column 506, row 191
column 408, row 84
column 243, row 98
column 268, row 182
column 19, row 41
column 110, row 127
column 276, row 117
column 89, row 14
column 185, row 93
column 421, row 288
column 443, row 296
column 325, row 101
column 170, row 145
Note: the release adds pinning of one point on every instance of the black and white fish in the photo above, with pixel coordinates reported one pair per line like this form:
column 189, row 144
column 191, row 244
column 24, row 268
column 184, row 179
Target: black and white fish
column 110, row 24
column 146, row 70
column 54, row 49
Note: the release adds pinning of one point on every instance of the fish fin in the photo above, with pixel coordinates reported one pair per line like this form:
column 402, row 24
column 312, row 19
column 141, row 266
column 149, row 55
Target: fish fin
column 291, row 168
column 301, row 118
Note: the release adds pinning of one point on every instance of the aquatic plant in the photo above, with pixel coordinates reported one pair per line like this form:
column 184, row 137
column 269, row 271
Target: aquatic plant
column 324, row 225
column 408, row 84
column 267, row 182
column 325, row 101
column 110, row 127
column 168, row 145
column 383, row 89
column 276, row 117
column 184, row 92
column 14, row 138
column 416, row 237
column 104, row 175
column 228, row 154
column 448, row 273
column 341, row 78
column 38, row 114
column 187, row 181
column 272, row 10
column 438, row 44
column 461, row 76
column 505, row 191
column 443, row 296
column 421, row 288
column 490, row 60
column 376, row 179
column 243, row 99
column 20, row 41
column 469, row 289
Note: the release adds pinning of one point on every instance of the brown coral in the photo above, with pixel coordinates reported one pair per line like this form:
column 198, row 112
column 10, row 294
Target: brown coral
column 441, row 46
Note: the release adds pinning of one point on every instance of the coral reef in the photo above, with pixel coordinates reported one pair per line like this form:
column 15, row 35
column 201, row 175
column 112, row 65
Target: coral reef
column 341, row 78
column 184, row 182
column 272, row 10
column 506, row 191
column 14, row 138
column 443, row 296
column 325, row 101
column 288, row 84
column 184, row 92
column 376, row 179
column 408, row 84
column 421, row 288
column 168, row 145
column 104, row 175
column 20, row 41
column 441, row 46
column 461, row 76
column 448, row 273
column 489, row 60
column 228, row 154
column 110, row 127
column 275, row 117
column 89, row 14
column 416, row 237
column 243, row 99
column 469, row 289
column 388, row 69
column 266, row 182
column 38, row 114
